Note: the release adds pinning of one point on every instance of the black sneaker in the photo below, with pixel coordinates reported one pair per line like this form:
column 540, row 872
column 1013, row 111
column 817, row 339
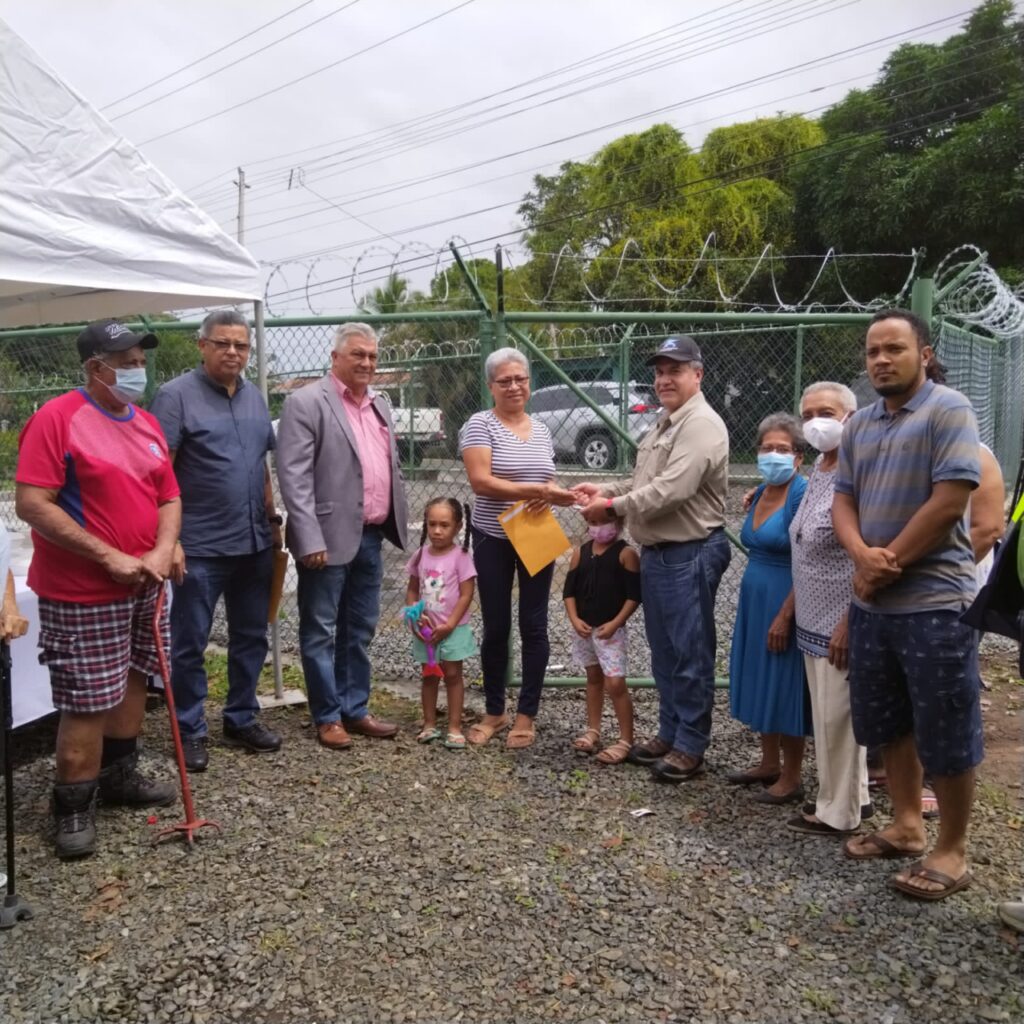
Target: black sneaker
column 255, row 737
column 74, row 809
column 123, row 783
column 197, row 757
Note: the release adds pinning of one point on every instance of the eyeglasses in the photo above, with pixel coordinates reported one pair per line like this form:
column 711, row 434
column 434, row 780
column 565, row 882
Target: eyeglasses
column 512, row 382
column 241, row 347
column 777, row 449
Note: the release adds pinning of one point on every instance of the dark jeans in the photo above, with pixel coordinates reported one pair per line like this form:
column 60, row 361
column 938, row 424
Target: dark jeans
column 339, row 606
column 497, row 567
column 244, row 582
column 679, row 583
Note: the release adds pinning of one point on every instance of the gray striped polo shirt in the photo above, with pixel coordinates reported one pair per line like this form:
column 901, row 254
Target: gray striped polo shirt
column 888, row 463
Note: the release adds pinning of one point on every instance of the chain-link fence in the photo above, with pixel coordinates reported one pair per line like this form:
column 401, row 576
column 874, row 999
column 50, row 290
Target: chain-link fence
column 991, row 374
column 591, row 387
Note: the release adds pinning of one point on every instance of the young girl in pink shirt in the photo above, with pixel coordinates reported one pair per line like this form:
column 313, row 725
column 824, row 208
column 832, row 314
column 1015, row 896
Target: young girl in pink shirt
column 442, row 575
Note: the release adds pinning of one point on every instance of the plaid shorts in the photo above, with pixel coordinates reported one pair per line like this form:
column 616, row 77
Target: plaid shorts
column 89, row 648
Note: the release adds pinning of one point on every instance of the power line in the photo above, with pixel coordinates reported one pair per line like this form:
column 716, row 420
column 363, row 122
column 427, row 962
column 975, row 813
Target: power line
column 972, row 57
column 391, row 152
column 240, row 60
column 308, row 75
column 810, row 154
column 207, row 56
column 194, row 190
column 752, row 22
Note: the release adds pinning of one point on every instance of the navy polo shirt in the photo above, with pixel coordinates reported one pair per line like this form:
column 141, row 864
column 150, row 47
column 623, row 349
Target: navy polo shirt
column 221, row 441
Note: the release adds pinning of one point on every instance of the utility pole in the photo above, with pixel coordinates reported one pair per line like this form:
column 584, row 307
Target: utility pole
column 241, row 206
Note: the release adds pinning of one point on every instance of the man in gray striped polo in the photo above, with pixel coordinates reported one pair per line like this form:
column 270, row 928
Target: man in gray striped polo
column 907, row 466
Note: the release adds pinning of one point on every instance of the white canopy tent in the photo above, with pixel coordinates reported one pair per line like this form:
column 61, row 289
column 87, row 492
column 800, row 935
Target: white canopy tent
column 89, row 228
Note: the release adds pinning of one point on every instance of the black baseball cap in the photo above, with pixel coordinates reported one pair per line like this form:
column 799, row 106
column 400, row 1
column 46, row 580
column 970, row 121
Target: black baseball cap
column 110, row 336
column 682, row 348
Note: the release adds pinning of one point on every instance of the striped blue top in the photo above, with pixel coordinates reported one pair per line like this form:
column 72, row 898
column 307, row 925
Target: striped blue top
column 889, row 462
column 526, row 462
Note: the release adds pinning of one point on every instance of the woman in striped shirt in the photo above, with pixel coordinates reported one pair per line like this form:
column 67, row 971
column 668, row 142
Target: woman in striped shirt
column 509, row 457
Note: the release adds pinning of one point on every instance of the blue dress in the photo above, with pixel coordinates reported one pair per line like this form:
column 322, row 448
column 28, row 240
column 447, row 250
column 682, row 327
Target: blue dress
column 767, row 691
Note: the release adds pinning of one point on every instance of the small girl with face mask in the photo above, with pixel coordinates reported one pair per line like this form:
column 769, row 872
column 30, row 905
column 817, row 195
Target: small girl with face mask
column 602, row 590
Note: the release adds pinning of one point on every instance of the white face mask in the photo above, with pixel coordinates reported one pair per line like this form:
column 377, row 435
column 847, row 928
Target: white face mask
column 823, row 433
column 129, row 383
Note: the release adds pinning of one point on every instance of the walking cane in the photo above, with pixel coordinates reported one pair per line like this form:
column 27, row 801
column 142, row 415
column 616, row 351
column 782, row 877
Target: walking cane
column 14, row 908
column 191, row 824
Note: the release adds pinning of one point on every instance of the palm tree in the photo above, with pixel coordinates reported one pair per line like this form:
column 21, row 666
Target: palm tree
column 388, row 299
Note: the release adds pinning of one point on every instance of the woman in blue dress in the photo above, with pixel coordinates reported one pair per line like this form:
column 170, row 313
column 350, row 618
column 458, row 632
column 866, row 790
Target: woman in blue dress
column 767, row 691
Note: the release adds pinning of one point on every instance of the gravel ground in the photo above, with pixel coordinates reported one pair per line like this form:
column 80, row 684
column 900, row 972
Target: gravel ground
column 401, row 883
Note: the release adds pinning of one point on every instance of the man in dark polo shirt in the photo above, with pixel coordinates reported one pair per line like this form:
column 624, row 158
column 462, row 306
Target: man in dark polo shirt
column 219, row 432
column 907, row 467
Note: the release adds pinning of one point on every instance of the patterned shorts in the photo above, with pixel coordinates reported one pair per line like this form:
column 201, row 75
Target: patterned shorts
column 89, row 648
column 611, row 654
column 917, row 673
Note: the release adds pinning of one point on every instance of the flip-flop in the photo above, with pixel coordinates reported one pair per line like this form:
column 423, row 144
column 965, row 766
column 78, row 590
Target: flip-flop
column 479, row 734
column 455, row 741
column 949, row 885
column 429, row 735
column 520, row 739
column 884, row 850
column 816, row 828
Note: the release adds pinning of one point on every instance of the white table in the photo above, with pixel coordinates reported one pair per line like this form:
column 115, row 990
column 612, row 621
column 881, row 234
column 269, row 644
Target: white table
column 30, row 681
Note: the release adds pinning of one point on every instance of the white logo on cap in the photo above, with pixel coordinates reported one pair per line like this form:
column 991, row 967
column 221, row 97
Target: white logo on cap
column 670, row 345
column 116, row 330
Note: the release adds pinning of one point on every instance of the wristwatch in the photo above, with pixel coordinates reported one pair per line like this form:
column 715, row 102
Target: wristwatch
column 276, row 520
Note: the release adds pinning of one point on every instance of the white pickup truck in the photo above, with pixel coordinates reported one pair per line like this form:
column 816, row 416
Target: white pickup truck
column 414, row 430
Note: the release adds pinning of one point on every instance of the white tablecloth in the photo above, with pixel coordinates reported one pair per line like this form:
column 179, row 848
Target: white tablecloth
column 30, row 681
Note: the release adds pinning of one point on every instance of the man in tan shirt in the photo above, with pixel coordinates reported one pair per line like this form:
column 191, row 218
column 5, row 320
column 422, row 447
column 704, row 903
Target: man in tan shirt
column 675, row 508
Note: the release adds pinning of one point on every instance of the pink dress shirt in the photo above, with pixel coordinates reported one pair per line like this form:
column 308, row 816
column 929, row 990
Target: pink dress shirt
column 374, row 450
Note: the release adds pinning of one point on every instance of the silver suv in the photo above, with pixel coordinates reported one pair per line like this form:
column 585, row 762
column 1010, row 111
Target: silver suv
column 578, row 431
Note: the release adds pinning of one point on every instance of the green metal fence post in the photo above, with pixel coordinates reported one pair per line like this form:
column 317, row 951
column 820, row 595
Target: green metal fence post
column 922, row 299
column 798, row 369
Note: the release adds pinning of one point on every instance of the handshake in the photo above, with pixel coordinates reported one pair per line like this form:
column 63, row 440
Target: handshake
column 587, row 498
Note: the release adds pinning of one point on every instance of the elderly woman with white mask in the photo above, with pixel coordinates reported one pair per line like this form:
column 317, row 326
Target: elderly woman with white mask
column 823, row 588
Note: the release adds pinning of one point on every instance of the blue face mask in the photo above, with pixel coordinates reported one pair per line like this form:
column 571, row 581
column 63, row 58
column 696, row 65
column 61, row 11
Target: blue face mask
column 129, row 384
column 775, row 467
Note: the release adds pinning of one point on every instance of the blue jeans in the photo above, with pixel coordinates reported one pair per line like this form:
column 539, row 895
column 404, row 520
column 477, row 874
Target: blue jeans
column 679, row 583
column 339, row 606
column 244, row 582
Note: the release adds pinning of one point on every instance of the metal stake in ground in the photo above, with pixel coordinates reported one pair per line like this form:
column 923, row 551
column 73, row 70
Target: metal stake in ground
column 14, row 908
column 191, row 824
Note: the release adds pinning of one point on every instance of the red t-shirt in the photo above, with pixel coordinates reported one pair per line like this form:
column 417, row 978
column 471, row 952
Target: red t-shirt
column 111, row 473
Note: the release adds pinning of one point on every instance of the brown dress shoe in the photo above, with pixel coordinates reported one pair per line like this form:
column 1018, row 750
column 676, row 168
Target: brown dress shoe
column 333, row 736
column 372, row 727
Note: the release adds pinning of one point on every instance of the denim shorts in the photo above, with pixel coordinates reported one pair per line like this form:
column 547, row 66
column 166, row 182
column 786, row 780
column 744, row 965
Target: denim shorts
column 917, row 673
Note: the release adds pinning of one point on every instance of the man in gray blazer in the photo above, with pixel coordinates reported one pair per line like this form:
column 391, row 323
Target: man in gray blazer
column 337, row 467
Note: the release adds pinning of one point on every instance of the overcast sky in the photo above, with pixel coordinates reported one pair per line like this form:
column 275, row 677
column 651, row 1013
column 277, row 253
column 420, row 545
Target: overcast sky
column 352, row 134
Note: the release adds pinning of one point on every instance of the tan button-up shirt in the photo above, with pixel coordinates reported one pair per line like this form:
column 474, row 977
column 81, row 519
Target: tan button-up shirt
column 681, row 478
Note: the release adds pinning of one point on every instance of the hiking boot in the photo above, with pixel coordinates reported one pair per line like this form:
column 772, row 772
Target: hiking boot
column 197, row 756
column 74, row 809
column 123, row 783
column 255, row 737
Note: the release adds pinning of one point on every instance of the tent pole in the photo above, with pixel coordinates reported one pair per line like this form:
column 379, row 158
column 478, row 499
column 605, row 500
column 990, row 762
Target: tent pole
column 261, row 369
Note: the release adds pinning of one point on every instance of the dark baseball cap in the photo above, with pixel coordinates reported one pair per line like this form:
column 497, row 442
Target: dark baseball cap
column 110, row 336
column 682, row 348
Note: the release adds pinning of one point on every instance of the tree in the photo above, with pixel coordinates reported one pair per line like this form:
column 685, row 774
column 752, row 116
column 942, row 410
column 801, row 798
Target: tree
column 930, row 155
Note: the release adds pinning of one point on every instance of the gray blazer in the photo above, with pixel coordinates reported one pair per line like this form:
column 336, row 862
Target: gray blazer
column 321, row 479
